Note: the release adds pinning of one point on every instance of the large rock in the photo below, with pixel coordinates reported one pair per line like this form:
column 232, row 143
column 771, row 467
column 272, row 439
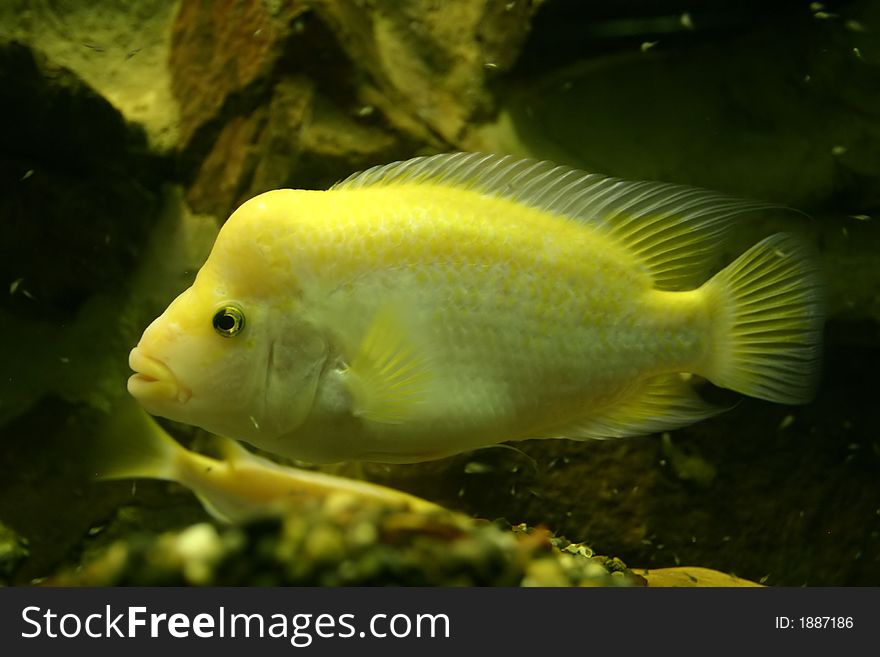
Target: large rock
column 220, row 50
column 303, row 95
column 120, row 49
column 427, row 65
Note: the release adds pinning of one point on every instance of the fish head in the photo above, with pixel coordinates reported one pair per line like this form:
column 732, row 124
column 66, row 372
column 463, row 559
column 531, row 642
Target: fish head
column 234, row 353
column 198, row 362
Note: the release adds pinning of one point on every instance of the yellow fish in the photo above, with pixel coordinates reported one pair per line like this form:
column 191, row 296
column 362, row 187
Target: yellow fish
column 240, row 487
column 450, row 302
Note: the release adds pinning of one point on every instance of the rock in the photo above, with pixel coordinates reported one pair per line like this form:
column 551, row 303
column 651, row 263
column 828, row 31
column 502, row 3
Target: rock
column 325, row 544
column 220, row 50
column 302, row 98
column 280, row 120
column 120, row 49
column 689, row 576
column 426, row 65
column 298, row 138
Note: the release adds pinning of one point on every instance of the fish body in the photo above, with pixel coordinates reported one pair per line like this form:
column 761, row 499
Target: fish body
column 451, row 302
column 240, row 486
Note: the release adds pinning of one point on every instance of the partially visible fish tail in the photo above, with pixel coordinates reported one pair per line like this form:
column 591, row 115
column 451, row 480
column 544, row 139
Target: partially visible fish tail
column 767, row 309
column 131, row 444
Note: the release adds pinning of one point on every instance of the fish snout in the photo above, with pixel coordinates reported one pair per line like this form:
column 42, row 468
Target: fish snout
column 153, row 380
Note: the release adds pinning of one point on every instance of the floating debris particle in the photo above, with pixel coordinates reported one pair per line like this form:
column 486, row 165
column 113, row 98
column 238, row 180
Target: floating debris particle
column 854, row 26
column 687, row 466
column 819, row 12
column 475, row 467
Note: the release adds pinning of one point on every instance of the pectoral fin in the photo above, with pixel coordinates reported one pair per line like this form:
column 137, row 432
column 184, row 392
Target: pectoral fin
column 391, row 373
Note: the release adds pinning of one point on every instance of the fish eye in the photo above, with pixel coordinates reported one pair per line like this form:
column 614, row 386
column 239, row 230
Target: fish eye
column 228, row 321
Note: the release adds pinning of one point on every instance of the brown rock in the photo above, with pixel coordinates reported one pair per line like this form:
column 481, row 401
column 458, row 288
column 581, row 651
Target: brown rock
column 295, row 98
column 299, row 138
column 222, row 48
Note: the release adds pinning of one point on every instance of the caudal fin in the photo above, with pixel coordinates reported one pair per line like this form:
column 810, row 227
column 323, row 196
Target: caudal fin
column 131, row 444
column 767, row 319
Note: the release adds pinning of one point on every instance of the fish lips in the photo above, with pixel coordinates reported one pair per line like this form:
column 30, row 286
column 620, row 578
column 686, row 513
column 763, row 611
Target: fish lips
column 153, row 380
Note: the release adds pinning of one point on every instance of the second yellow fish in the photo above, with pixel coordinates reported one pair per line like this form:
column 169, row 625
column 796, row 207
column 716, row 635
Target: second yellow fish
column 445, row 303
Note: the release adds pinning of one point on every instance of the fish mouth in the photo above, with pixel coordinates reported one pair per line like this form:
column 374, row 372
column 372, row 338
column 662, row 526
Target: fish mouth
column 154, row 380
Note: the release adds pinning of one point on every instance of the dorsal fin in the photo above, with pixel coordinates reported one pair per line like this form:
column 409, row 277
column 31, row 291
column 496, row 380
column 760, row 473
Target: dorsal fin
column 673, row 230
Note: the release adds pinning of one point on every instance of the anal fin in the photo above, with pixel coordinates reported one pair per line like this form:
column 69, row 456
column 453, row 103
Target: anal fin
column 662, row 403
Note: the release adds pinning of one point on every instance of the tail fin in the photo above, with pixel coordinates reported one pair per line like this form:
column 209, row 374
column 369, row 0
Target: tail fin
column 131, row 444
column 767, row 315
